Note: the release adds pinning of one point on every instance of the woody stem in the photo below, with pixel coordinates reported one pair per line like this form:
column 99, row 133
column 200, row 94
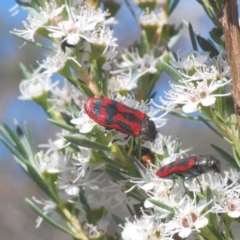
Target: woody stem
column 230, row 26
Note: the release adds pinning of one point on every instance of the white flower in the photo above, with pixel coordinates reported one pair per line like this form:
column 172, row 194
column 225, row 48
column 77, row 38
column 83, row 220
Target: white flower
column 82, row 159
column 68, row 182
column 147, row 227
column 62, row 96
column 108, row 195
column 192, row 95
column 83, row 122
column 83, row 23
column 54, row 63
column 55, row 145
column 74, row 177
column 103, row 37
column 203, row 80
column 122, row 82
column 188, row 217
column 50, row 162
column 38, row 19
column 139, row 65
column 227, row 195
column 49, row 208
column 65, row 30
column 151, row 18
column 232, row 207
column 192, row 60
column 39, row 84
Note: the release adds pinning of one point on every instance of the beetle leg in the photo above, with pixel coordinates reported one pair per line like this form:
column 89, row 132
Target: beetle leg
column 174, row 182
column 199, row 185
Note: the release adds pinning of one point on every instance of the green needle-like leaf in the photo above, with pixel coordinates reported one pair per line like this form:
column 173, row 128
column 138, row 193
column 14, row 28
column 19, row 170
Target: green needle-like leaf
column 171, row 71
column 15, row 140
column 47, row 218
column 192, row 36
column 226, row 156
column 63, row 125
column 78, row 140
column 162, row 205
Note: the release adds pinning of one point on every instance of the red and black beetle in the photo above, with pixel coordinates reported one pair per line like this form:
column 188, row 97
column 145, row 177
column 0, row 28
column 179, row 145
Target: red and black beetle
column 114, row 115
column 189, row 167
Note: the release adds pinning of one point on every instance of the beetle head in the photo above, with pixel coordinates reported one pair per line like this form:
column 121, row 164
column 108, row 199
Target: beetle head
column 148, row 131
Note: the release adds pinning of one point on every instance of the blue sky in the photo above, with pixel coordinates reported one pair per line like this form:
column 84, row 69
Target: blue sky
column 11, row 107
column 8, row 22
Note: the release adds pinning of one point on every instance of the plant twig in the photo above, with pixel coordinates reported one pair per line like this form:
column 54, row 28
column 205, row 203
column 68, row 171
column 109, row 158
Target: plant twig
column 230, row 26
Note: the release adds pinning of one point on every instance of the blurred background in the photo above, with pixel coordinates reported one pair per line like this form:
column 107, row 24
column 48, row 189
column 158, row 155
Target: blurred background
column 17, row 221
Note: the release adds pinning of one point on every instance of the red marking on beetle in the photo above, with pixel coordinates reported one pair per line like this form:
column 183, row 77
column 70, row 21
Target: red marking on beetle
column 189, row 167
column 114, row 115
column 178, row 166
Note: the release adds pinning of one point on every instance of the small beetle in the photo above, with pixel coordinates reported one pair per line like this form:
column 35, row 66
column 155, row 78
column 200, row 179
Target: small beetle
column 147, row 156
column 189, row 167
column 114, row 115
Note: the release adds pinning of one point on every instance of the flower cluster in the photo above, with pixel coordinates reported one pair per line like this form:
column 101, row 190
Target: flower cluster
column 203, row 79
column 99, row 170
column 187, row 215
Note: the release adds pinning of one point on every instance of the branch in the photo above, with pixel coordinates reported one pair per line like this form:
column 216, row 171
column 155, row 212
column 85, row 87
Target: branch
column 230, row 26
